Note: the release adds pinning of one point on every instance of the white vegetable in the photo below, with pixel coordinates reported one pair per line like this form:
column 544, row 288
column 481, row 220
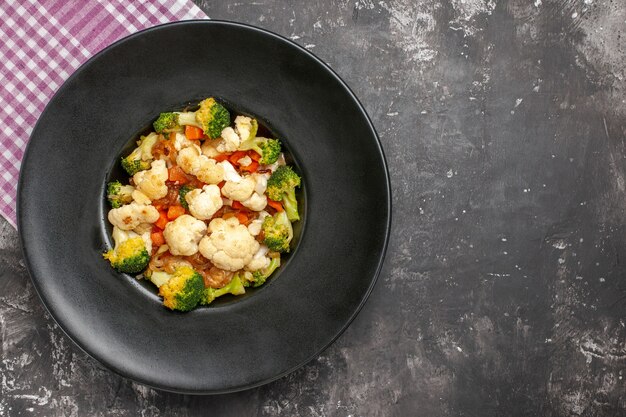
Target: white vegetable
column 245, row 161
column 241, row 190
column 181, row 141
column 193, row 162
column 209, row 148
column 228, row 245
column 259, row 260
column 151, row 182
column 230, row 141
column 256, row 225
column 230, row 173
column 203, row 203
column 183, row 234
column 256, row 202
column 132, row 215
column 243, row 126
column 140, row 198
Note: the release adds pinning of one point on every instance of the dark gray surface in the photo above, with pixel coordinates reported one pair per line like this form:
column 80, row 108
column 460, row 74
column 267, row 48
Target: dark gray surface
column 503, row 293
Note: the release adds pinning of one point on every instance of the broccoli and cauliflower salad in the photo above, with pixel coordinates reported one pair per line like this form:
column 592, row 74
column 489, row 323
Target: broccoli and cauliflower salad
column 207, row 210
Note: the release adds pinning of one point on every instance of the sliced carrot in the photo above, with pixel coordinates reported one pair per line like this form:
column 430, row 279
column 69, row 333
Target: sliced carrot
column 193, row 132
column 221, row 157
column 162, row 220
column 254, row 165
column 174, row 212
column 242, row 217
column 176, row 174
column 254, row 155
column 236, row 157
column 221, row 184
column 237, row 205
column 157, row 238
column 275, row 205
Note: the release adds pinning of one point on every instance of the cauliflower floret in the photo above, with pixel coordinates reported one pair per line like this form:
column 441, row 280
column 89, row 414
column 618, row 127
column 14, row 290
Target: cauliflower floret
column 181, row 141
column 193, row 162
column 132, row 215
column 209, row 148
column 230, row 173
column 243, row 126
column 228, row 245
column 151, row 182
column 241, row 190
column 140, row 198
column 120, row 236
column 256, row 202
column 261, row 182
column 256, row 225
column 183, row 234
column 203, row 203
column 259, row 260
column 245, row 161
column 230, row 141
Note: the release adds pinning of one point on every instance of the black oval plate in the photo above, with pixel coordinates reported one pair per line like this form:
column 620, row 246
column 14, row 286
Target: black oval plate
column 234, row 345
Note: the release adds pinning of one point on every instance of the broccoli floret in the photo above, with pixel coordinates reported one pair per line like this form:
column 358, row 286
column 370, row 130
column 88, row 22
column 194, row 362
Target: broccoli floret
column 211, row 117
column 183, row 290
column 141, row 157
column 119, row 194
column 269, row 149
column 182, row 192
column 278, row 232
column 234, row 287
column 259, row 277
column 281, row 186
column 166, row 122
column 129, row 254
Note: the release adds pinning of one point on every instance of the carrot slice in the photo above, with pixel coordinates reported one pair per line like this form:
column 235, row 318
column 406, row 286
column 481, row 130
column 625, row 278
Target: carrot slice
column 221, row 157
column 275, row 205
column 193, row 132
column 254, row 165
column 162, row 220
column 236, row 157
column 242, row 217
column 157, row 238
column 237, row 205
column 254, row 155
column 176, row 174
column 174, row 212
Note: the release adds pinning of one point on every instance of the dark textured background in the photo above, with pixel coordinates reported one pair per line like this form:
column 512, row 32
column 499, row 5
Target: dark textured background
column 503, row 292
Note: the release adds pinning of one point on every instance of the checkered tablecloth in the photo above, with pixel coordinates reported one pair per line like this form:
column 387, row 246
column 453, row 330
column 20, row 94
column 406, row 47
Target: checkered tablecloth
column 41, row 43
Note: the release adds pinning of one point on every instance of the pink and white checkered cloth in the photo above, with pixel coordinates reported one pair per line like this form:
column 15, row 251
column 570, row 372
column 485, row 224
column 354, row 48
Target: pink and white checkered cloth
column 41, row 43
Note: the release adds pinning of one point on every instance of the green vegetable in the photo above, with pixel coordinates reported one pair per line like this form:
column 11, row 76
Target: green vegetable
column 119, row 194
column 129, row 254
column 269, row 149
column 281, row 186
column 234, row 287
column 259, row 277
column 141, row 157
column 278, row 232
column 211, row 117
column 182, row 291
column 166, row 122
column 182, row 192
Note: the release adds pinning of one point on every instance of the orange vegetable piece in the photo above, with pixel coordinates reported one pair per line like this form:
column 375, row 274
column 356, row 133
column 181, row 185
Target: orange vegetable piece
column 254, row 165
column 174, row 212
column 275, row 205
column 193, row 133
column 157, row 238
column 176, row 174
column 236, row 157
column 162, row 220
